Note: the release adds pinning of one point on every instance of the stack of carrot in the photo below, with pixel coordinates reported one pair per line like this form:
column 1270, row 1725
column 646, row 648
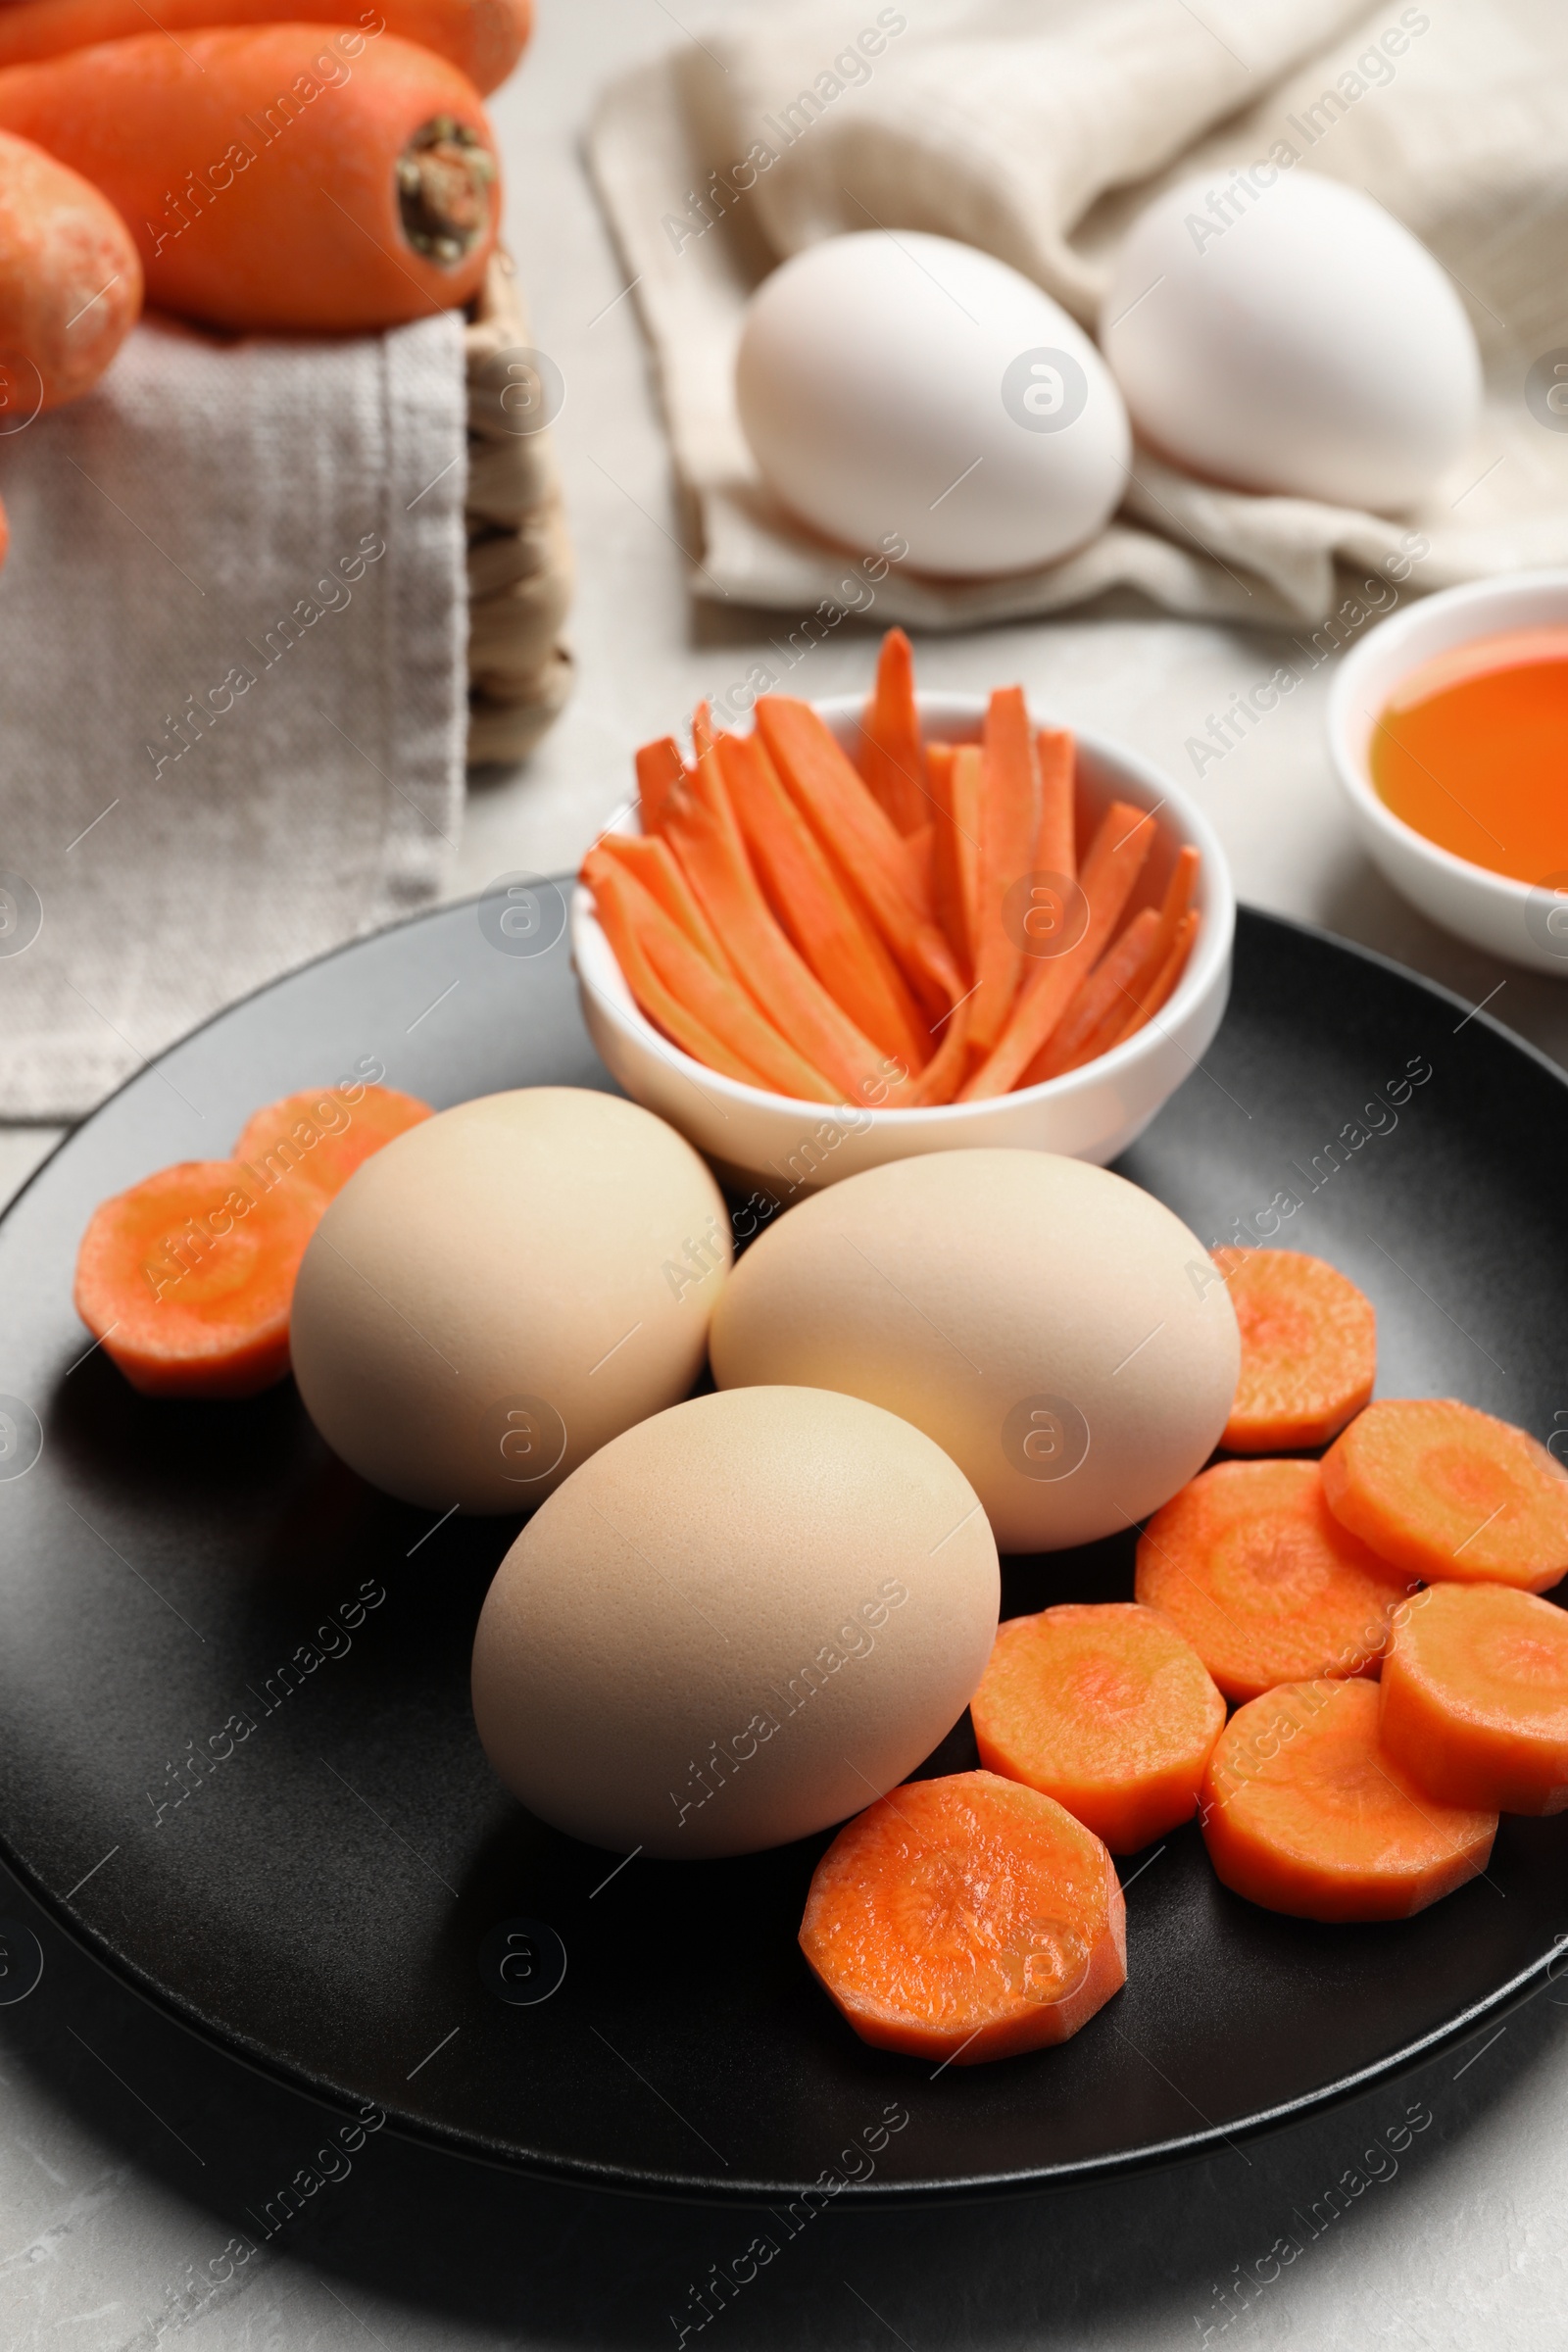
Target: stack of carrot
column 1416, row 1550
column 918, row 929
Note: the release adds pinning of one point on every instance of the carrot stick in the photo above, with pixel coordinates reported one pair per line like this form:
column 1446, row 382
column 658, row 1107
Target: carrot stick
column 188, row 1278
column 1098, row 1008
column 700, row 827
column 805, row 893
column 1306, row 1812
column 1444, row 1491
column 1475, row 1697
column 1162, row 987
column 704, row 1013
column 874, row 860
column 320, row 1137
column 1056, row 848
column 1114, row 861
column 660, row 769
column 966, row 1919
column 943, row 1074
column 1009, row 827
column 1251, row 1566
column 892, row 755
column 1309, row 1350
column 1105, row 1708
column 947, row 885
column 702, row 732
column 657, row 868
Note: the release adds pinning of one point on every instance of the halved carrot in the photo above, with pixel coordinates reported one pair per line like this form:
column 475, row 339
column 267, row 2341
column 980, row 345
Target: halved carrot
column 1101, row 1002
column 871, row 857
column 1444, row 1491
column 272, row 185
column 700, row 827
column 1161, row 987
column 1009, row 819
column 891, row 753
column 659, row 870
column 320, row 1137
column 966, row 1919
column 1309, row 1350
column 1475, row 1697
column 708, row 1016
column 1305, row 1812
column 660, row 769
column 1106, row 1707
column 484, row 38
column 816, row 911
column 1251, row 1564
column 1114, row 861
column 188, row 1277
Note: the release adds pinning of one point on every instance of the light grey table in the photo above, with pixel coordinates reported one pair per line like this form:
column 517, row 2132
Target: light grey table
column 129, row 2153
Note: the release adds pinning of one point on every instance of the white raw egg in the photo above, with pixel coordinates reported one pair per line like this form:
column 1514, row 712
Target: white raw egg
column 1292, row 337
column 1054, row 1328
column 738, row 1623
column 909, row 388
column 500, row 1289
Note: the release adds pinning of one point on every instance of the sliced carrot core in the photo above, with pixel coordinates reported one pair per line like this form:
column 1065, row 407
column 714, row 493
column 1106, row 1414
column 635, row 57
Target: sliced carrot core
column 1446, row 1492
column 1309, row 1350
column 1475, row 1696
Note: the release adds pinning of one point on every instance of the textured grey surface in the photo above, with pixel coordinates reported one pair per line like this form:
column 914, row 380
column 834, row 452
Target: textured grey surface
column 134, row 2162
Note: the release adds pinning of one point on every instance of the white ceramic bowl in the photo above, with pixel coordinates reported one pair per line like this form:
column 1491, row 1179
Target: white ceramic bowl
column 1092, row 1113
column 1525, row 921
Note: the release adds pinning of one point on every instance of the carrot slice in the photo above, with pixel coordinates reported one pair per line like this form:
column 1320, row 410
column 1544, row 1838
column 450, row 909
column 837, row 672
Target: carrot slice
column 1157, row 992
column 660, row 769
column 891, row 753
column 1251, row 1564
column 1008, row 825
column 966, row 1919
column 1444, row 1491
column 1475, row 1697
column 188, row 1277
column 700, row 827
column 321, row 1137
column 816, row 911
column 1106, row 1707
column 658, row 869
column 873, row 858
column 1309, row 1350
column 696, row 1007
column 1305, row 1812
column 1101, row 1002
column 1110, row 869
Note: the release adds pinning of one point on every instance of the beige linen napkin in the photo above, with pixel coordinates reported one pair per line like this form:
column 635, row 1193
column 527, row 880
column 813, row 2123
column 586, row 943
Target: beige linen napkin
column 233, row 686
column 1037, row 128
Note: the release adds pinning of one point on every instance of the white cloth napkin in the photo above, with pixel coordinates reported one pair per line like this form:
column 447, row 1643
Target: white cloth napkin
column 1037, row 128
column 232, row 685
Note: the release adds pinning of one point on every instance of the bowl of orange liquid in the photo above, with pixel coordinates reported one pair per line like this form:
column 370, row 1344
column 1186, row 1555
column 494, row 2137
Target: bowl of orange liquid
column 1448, row 727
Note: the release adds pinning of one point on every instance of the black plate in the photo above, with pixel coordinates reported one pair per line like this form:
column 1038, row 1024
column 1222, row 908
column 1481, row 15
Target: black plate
column 318, row 1900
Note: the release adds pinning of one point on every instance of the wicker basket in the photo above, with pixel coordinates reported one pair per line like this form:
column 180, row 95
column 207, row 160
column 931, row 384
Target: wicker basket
column 520, row 559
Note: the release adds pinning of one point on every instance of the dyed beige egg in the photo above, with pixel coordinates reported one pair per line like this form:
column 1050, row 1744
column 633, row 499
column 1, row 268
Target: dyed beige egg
column 1058, row 1332
column 738, row 1623
column 498, row 1291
